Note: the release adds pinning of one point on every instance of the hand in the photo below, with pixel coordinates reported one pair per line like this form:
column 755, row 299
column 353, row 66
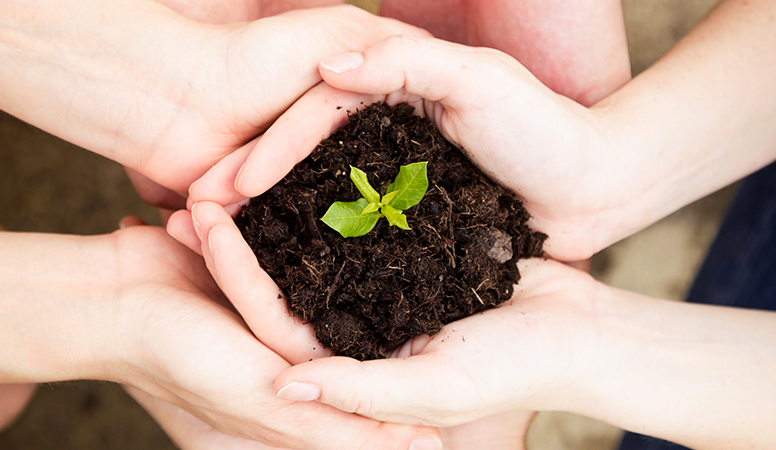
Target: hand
column 13, row 399
column 136, row 307
column 568, row 343
column 505, row 431
column 188, row 432
column 172, row 103
column 235, row 268
column 229, row 11
column 550, row 150
column 483, row 365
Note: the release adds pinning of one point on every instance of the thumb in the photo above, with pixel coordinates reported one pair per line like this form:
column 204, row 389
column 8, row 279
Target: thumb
column 457, row 76
column 402, row 390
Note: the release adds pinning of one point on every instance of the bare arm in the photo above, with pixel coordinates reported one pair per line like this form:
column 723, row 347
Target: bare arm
column 701, row 118
column 577, row 48
column 161, row 94
column 138, row 308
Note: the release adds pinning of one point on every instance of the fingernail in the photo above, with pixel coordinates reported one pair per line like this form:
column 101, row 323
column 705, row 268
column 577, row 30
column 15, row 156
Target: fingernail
column 239, row 177
column 426, row 442
column 344, row 62
column 300, row 392
column 197, row 228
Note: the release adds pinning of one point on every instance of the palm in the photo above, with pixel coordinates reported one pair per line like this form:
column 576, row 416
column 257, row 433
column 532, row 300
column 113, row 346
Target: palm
column 516, row 357
column 188, row 349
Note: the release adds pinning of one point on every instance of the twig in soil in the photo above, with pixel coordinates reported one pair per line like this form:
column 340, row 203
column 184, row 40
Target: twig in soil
column 334, row 283
column 450, row 245
column 478, row 296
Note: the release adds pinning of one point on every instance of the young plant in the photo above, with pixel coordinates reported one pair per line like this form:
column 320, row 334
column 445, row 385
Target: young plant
column 353, row 219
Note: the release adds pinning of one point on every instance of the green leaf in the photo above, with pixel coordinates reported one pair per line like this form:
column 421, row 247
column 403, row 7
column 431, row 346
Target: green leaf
column 410, row 186
column 346, row 218
column 395, row 217
column 386, row 200
column 362, row 184
column 370, row 208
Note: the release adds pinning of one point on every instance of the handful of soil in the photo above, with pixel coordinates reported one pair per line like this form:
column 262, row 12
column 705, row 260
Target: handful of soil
column 367, row 295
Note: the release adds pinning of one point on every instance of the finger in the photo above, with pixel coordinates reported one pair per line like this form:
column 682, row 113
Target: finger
column 181, row 227
column 131, row 221
column 392, row 390
column 258, row 299
column 505, row 431
column 153, row 193
column 431, row 68
column 185, row 430
column 218, row 183
column 454, row 79
column 13, row 399
column 295, row 134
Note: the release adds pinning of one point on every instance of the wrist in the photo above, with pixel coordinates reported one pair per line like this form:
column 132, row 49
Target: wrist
column 56, row 314
column 697, row 375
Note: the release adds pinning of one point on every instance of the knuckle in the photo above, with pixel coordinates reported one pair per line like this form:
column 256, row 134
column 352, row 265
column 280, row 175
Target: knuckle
column 360, row 403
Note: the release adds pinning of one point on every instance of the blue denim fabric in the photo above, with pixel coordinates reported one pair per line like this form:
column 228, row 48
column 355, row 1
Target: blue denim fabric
column 740, row 269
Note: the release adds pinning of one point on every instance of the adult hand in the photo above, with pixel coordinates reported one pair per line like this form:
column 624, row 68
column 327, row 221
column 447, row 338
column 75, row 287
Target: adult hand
column 188, row 432
column 568, row 343
column 214, row 12
column 229, row 11
column 589, row 177
column 136, row 307
column 543, row 146
column 528, row 354
column 209, row 229
column 169, row 103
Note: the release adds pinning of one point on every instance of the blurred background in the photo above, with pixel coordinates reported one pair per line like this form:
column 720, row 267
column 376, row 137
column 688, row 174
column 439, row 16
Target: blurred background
column 51, row 186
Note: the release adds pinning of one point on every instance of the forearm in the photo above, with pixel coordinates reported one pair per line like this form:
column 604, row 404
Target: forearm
column 699, row 375
column 84, row 71
column 52, row 307
column 698, row 120
column 577, row 48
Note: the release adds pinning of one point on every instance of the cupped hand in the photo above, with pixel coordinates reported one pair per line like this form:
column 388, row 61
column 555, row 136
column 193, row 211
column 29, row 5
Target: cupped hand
column 188, row 432
column 242, row 78
column 170, row 103
column 533, row 353
column 551, row 151
column 209, row 229
column 158, row 322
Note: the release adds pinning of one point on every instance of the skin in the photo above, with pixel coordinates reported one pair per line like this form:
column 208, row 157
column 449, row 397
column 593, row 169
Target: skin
column 171, row 103
column 160, row 324
column 664, row 357
column 166, row 105
column 588, row 176
column 577, row 49
column 534, row 39
column 242, row 274
column 158, row 133
column 658, row 143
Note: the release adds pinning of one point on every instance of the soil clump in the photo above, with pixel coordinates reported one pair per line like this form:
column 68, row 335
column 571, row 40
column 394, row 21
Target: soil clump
column 367, row 295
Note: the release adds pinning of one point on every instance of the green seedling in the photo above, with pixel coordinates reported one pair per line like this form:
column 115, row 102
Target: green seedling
column 353, row 219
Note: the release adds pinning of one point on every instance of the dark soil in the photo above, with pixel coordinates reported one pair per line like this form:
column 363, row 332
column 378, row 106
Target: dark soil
column 368, row 295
